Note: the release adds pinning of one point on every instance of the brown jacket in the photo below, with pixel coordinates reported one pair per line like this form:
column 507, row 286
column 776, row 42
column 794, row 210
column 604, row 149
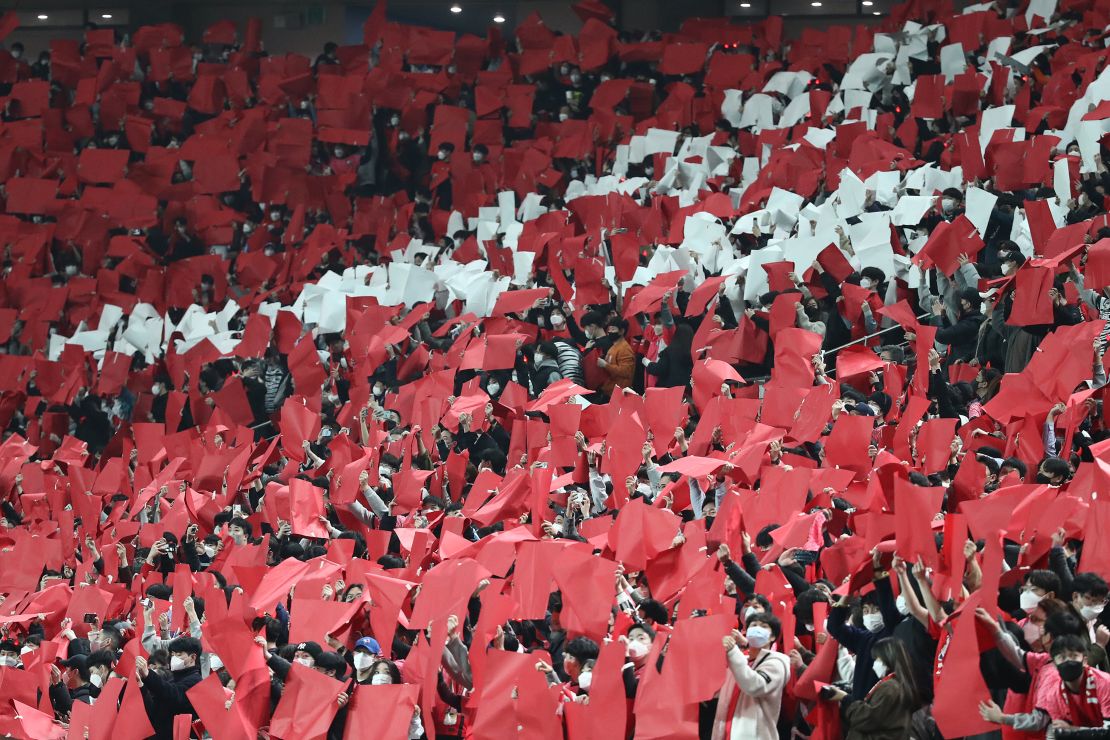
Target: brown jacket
column 883, row 715
column 620, row 368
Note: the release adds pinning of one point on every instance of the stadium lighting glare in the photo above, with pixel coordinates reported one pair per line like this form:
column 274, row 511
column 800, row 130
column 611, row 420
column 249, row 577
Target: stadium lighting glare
column 106, row 16
column 43, row 16
column 498, row 18
column 456, row 8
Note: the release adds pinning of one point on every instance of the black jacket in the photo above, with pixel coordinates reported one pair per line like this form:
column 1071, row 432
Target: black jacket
column 962, row 337
column 672, row 370
column 165, row 699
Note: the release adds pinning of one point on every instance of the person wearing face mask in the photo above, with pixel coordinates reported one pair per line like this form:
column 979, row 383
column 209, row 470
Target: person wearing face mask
column 366, row 655
column 84, row 689
column 1038, row 591
column 750, row 698
column 878, row 616
column 962, row 337
column 619, row 362
column 545, row 369
column 167, row 698
column 9, row 654
column 1089, row 596
column 885, row 713
column 638, row 643
column 951, row 203
column 1076, row 696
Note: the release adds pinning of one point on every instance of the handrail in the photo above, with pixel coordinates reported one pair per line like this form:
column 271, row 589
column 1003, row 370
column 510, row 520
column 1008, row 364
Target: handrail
column 869, row 336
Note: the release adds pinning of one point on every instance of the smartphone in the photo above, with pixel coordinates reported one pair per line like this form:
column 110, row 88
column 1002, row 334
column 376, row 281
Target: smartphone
column 146, row 603
column 91, row 618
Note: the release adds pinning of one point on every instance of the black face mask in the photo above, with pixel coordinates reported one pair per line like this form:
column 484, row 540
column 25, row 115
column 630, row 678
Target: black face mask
column 1070, row 670
column 709, row 522
column 1042, row 478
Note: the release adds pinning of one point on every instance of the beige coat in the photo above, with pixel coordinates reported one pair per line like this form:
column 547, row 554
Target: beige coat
column 760, row 685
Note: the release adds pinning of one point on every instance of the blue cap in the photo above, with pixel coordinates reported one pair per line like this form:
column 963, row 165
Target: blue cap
column 370, row 644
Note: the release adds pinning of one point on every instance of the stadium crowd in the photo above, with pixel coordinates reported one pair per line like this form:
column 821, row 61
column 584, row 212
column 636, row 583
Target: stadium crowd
column 660, row 385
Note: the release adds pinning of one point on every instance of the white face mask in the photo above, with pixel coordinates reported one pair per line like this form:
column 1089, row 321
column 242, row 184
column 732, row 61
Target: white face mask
column 865, row 283
column 26, row 649
column 564, row 116
column 947, row 204
column 900, row 604
column 873, row 622
column 177, row 663
column 378, row 390
column 441, row 155
column 96, row 680
column 1090, row 612
column 363, row 661
column 306, row 662
column 637, row 649
column 585, row 679
column 1007, row 268
column 493, row 388
column 381, row 679
column 214, row 662
column 478, row 157
column 1029, row 601
column 879, row 667
column 758, row 636
column 749, row 612
column 210, row 551
column 557, row 319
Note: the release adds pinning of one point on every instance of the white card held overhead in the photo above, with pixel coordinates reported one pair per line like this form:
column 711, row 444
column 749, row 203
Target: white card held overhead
column 978, row 205
column 759, row 113
column 911, row 209
column 952, row 61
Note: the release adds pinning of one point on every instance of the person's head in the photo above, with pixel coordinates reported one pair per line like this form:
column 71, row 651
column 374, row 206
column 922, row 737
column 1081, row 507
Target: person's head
column 640, row 636
column 240, row 530
column 1037, row 586
column 970, row 301
column 763, row 541
column 1010, row 260
column 9, row 653
column 352, row 593
column 99, row 665
column 546, row 351
column 1053, row 471
column 446, row 149
column 1069, row 655
column 892, row 353
column 871, row 614
column 575, row 655
column 652, row 612
column 1088, row 594
column 762, row 629
column 593, row 324
column 384, row 672
column 306, row 653
column 951, row 199
column 1013, row 464
column 480, row 153
column 615, row 328
column 871, row 277
column 331, row 664
column 366, row 652
column 753, row 604
column 184, row 653
column 890, row 657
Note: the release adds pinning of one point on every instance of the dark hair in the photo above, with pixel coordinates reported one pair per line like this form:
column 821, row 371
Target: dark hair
column 1068, row 644
column 581, row 649
column 1089, row 583
column 654, row 610
column 892, row 652
column 101, row 657
column 243, row 524
column 592, row 318
column 190, row 645
column 769, row 619
column 681, row 342
column 1063, row 622
column 394, row 673
column 763, row 537
column 1045, row 580
column 1017, row 465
